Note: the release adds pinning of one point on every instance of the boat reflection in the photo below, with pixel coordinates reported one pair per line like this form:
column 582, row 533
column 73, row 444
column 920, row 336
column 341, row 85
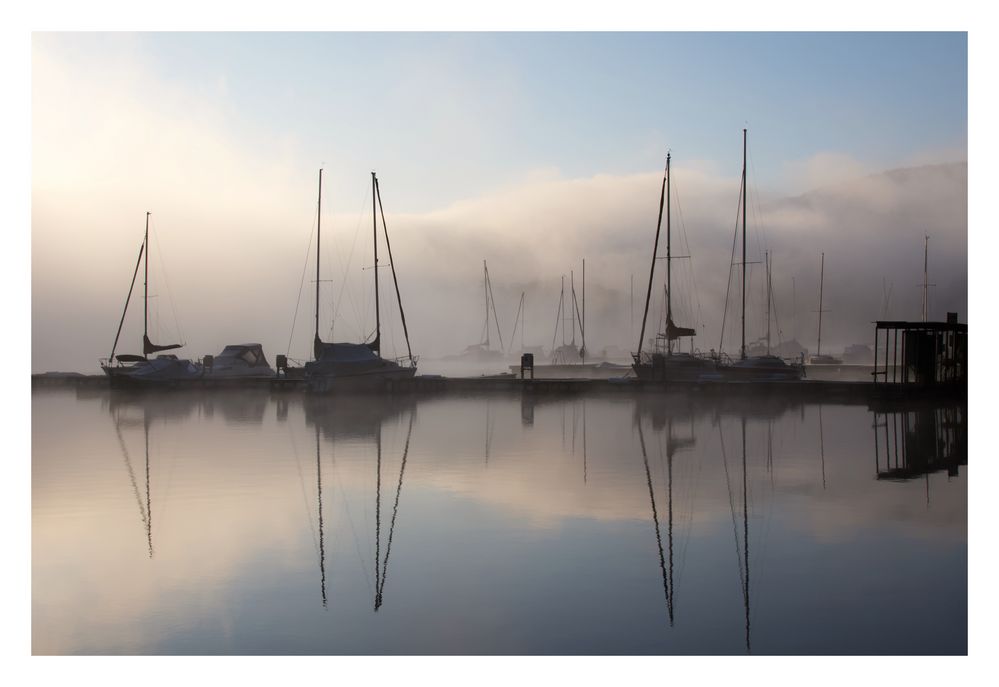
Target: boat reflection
column 523, row 470
column 328, row 423
column 356, row 417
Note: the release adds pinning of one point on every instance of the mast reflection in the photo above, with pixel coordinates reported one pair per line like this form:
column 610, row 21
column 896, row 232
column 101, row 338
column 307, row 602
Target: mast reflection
column 145, row 509
column 381, row 577
column 742, row 553
column 319, row 498
column 673, row 445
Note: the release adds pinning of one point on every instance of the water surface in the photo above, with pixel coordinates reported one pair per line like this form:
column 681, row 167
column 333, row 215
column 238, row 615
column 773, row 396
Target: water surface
column 236, row 523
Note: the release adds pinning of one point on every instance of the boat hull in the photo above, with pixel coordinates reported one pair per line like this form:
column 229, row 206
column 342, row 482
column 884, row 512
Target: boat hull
column 154, row 373
column 761, row 369
column 340, row 377
column 675, row 368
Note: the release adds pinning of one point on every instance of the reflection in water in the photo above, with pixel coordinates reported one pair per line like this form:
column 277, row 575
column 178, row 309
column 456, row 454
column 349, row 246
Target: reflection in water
column 822, row 451
column 380, row 579
column 667, row 575
column 532, row 538
column 921, row 441
column 741, row 550
column 322, row 538
column 145, row 511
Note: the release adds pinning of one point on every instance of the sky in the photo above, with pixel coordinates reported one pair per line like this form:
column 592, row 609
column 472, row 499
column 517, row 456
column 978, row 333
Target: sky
column 530, row 150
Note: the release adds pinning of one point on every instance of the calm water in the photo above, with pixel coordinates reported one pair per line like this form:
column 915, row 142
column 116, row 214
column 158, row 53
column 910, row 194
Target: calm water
column 258, row 523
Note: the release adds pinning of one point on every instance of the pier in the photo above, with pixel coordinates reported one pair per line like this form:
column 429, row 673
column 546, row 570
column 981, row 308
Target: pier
column 431, row 385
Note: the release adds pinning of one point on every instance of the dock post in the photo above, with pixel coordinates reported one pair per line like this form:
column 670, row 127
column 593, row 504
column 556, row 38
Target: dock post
column 527, row 363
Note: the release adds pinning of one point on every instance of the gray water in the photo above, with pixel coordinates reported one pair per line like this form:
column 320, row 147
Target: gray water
column 249, row 523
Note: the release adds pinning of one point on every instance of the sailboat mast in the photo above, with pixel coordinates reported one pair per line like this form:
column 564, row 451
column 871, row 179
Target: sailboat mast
column 319, row 219
column 926, row 255
column 572, row 289
column 145, row 292
column 766, row 257
column 745, row 193
column 822, row 271
column 652, row 269
column 377, row 347
column 561, row 307
column 669, row 260
column 582, row 326
column 485, row 293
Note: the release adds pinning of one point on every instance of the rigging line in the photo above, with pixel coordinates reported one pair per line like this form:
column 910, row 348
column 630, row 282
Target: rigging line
column 344, row 290
column 301, row 285
column 754, row 204
column 516, row 321
column 166, row 282
column 492, row 300
column 575, row 305
column 353, row 531
column 764, row 535
column 686, row 245
column 689, row 518
column 731, row 265
column 395, row 510
column 301, row 484
column 558, row 317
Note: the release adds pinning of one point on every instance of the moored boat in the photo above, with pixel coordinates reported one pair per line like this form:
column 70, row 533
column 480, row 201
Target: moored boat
column 665, row 362
column 239, row 361
column 759, row 368
column 131, row 370
column 347, row 366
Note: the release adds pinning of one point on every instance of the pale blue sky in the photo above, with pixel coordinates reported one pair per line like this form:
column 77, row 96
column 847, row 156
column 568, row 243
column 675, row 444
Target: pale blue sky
column 465, row 112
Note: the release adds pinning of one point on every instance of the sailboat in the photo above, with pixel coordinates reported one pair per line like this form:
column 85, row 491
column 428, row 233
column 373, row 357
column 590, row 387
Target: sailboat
column 569, row 360
column 347, row 365
column 128, row 369
column 568, row 352
column 758, row 367
column 666, row 362
column 819, row 358
column 483, row 351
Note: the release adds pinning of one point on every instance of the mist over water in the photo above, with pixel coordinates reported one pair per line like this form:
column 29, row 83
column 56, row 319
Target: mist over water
column 234, row 215
column 498, row 523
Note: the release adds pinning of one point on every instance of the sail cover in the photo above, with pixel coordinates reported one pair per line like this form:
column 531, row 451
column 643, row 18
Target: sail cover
column 149, row 347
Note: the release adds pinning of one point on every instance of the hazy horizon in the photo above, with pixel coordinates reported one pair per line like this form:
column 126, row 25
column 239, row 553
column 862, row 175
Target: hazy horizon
column 483, row 155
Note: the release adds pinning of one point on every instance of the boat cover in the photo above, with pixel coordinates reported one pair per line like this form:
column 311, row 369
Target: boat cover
column 344, row 353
